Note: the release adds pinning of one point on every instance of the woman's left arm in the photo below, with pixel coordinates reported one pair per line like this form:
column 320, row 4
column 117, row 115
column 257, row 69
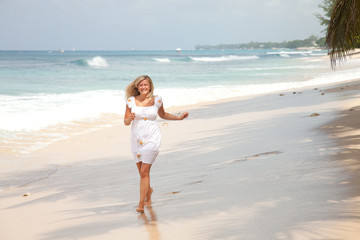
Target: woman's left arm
column 168, row 116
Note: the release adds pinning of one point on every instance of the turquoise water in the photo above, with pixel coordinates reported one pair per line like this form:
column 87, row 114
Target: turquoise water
column 70, row 72
column 58, row 94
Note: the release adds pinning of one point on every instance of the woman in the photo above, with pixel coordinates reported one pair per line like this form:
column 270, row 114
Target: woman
column 142, row 109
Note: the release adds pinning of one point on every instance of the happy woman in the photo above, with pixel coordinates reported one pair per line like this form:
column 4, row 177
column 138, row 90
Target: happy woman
column 142, row 108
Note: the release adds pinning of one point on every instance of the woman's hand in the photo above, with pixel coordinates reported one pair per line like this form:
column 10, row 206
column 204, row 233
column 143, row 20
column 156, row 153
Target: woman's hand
column 132, row 116
column 129, row 116
column 168, row 116
column 184, row 115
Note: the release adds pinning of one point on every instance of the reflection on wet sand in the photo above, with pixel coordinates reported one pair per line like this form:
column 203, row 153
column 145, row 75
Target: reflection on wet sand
column 151, row 225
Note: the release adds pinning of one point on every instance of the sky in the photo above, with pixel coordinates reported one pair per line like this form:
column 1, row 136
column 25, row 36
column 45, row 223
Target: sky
column 152, row 24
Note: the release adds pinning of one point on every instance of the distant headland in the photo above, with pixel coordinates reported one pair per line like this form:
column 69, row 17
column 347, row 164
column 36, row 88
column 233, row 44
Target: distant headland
column 310, row 42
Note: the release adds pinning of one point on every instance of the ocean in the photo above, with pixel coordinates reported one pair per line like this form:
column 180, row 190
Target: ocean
column 46, row 96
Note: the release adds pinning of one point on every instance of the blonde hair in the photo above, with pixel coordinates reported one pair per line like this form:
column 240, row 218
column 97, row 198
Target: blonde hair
column 132, row 90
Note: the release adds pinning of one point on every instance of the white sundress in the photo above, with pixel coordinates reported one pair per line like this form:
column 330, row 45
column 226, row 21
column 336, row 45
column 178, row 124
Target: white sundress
column 145, row 135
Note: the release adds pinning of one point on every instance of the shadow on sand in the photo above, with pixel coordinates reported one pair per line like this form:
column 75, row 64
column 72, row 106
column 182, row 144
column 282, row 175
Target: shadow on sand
column 150, row 223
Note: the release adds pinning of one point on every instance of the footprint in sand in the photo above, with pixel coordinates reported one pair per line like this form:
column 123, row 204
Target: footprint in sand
column 172, row 193
column 248, row 157
column 314, row 115
column 195, row 182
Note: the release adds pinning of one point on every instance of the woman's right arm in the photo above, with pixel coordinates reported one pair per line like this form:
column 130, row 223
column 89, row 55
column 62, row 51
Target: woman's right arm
column 128, row 116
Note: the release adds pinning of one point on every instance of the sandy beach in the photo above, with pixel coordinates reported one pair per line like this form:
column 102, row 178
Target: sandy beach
column 278, row 166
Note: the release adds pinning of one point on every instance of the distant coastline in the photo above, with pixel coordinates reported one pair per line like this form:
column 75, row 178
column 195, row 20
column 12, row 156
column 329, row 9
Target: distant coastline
column 310, row 42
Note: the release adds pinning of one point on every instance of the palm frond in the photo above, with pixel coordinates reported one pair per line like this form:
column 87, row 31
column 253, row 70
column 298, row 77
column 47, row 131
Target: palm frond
column 344, row 30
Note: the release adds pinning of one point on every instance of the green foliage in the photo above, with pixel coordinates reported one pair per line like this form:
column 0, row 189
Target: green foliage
column 327, row 6
column 343, row 32
column 311, row 41
column 321, row 42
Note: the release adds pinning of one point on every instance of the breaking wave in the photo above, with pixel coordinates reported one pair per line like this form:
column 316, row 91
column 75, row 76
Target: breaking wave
column 96, row 62
column 224, row 58
column 163, row 60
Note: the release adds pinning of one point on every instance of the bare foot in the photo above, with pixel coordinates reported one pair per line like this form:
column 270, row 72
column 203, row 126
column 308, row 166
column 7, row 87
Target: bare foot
column 140, row 210
column 148, row 197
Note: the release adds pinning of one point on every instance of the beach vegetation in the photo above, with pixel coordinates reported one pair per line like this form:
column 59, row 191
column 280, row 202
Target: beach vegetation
column 343, row 32
column 327, row 7
column 310, row 42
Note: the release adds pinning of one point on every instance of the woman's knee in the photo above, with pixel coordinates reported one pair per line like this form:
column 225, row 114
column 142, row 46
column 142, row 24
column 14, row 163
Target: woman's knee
column 144, row 173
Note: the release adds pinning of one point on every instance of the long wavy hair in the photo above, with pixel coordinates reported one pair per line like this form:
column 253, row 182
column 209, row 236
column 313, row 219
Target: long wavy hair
column 132, row 90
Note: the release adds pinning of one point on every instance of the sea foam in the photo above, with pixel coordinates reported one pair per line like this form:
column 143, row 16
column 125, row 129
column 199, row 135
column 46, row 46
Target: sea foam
column 51, row 117
column 163, row 60
column 279, row 67
column 44, row 110
column 223, row 58
column 187, row 96
column 97, row 62
column 304, row 53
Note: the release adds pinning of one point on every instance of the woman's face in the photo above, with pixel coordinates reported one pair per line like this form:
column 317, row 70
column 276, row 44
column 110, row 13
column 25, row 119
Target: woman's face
column 144, row 87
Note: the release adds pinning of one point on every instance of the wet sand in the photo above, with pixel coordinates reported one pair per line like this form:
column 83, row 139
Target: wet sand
column 279, row 166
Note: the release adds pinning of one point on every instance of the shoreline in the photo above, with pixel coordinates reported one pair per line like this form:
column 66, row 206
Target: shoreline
column 23, row 143
column 111, row 120
column 288, row 177
column 344, row 131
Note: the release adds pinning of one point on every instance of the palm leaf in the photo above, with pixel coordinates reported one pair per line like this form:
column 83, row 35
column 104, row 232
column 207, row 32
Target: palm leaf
column 343, row 30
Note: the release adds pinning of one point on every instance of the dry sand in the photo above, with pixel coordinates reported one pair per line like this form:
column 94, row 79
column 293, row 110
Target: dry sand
column 265, row 167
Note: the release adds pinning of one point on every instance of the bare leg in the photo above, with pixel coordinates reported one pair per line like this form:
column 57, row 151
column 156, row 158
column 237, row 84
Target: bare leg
column 144, row 171
column 148, row 197
column 150, row 191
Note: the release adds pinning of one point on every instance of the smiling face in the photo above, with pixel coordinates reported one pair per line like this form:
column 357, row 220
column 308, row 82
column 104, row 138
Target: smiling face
column 144, row 87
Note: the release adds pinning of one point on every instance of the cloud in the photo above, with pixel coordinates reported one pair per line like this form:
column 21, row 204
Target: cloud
column 149, row 24
column 273, row 3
